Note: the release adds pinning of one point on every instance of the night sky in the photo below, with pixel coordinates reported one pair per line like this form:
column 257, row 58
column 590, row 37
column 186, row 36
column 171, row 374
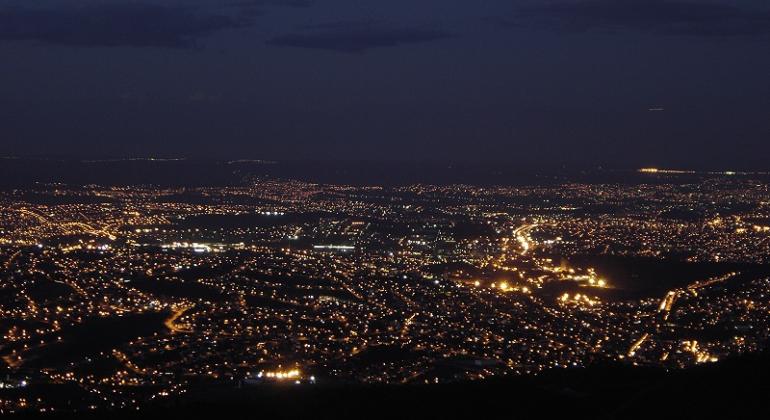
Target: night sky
column 671, row 83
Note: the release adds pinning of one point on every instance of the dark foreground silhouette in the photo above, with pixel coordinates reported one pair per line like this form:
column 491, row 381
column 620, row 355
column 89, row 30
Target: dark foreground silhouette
column 731, row 389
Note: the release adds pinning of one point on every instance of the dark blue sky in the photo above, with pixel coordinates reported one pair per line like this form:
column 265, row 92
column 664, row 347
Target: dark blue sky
column 527, row 82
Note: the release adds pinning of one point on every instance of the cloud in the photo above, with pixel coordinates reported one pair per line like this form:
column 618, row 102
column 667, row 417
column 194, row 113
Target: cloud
column 670, row 17
column 356, row 37
column 113, row 24
column 284, row 3
column 256, row 7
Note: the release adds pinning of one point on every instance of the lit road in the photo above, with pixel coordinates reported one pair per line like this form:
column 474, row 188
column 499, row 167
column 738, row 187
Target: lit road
column 170, row 323
column 638, row 344
column 522, row 235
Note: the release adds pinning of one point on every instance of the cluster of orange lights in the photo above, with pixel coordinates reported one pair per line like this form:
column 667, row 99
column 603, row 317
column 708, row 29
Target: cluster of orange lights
column 579, row 299
column 504, row 286
column 281, row 374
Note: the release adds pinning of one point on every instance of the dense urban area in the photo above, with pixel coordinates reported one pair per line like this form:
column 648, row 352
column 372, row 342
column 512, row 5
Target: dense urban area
column 116, row 297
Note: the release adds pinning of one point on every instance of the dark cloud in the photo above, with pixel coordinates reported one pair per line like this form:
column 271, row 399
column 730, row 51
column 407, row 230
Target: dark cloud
column 112, row 24
column 256, row 7
column 285, row 3
column 356, row 37
column 671, row 17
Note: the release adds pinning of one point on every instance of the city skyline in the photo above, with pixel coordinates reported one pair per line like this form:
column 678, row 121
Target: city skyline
column 139, row 297
column 384, row 209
